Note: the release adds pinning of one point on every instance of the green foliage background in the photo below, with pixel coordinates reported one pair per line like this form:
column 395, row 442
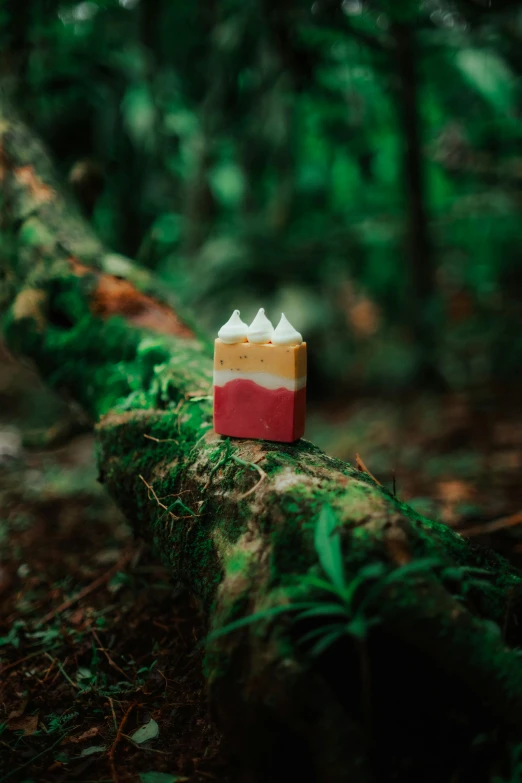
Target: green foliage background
column 255, row 154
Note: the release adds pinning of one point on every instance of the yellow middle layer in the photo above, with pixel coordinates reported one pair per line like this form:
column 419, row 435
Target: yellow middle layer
column 289, row 361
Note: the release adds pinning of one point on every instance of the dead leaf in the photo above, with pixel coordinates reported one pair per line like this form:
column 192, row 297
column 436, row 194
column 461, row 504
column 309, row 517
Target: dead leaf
column 18, row 711
column 452, row 492
column 364, row 317
column 77, row 617
column 94, row 749
column 455, row 491
column 28, row 725
column 147, row 732
column 359, row 464
column 92, row 732
column 115, row 296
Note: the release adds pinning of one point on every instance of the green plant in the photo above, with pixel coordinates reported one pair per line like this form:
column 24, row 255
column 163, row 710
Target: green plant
column 349, row 603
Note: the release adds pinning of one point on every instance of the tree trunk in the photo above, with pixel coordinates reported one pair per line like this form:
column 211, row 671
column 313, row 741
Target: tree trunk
column 419, row 247
column 424, row 672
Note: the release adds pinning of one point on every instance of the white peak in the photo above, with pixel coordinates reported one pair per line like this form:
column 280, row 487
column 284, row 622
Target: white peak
column 234, row 331
column 285, row 334
column 260, row 330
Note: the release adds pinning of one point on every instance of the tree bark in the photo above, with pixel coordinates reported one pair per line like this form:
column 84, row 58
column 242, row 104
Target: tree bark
column 432, row 672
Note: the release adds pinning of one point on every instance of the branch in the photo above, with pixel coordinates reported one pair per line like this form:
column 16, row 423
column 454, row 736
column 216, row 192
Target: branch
column 106, row 339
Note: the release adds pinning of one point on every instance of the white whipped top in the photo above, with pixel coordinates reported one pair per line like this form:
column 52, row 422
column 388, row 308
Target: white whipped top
column 260, row 330
column 234, row 331
column 285, row 334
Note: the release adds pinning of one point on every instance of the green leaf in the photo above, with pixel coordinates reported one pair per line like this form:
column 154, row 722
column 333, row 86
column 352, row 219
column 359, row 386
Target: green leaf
column 139, row 113
column 328, row 547
column 228, row 183
column 322, row 631
column 326, row 642
column 489, row 75
column 147, row 732
column 160, row 777
column 322, row 584
column 358, row 627
column 322, row 610
column 415, row 567
column 92, row 749
column 373, row 571
column 12, row 636
column 254, row 618
column 424, row 565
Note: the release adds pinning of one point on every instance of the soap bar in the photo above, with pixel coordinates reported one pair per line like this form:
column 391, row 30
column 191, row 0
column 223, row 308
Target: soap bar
column 260, row 390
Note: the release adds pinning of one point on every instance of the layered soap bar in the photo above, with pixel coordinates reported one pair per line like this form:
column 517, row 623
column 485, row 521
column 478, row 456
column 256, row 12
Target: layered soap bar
column 260, row 390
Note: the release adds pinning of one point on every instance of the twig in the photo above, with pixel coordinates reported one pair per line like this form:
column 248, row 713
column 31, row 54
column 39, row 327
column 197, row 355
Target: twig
column 113, row 714
column 156, row 498
column 109, row 659
column 33, row 759
column 62, row 670
column 162, row 505
column 116, row 740
column 250, row 465
column 491, row 527
column 124, row 559
column 362, row 467
column 178, row 502
column 47, row 673
column 19, row 661
column 161, row 440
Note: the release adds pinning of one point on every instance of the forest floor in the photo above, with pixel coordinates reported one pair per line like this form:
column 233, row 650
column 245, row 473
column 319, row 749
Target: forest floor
column 100, row 676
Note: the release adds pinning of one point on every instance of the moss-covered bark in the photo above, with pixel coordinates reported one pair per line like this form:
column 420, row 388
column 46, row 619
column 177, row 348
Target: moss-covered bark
column 235, row 521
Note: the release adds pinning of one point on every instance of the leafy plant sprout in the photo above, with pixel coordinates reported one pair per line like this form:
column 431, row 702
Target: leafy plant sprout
column 346, row 606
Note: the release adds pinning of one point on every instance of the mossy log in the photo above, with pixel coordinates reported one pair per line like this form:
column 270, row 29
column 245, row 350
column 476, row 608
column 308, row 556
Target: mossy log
column 234, row 519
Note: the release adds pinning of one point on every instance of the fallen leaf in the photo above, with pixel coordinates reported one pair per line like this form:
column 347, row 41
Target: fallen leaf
column 93, row 749
column 455, row 491
column 77, row 617
column 86, row 735
column 28, row 725
column 18, row 711
column 146, row 732
column 364, row 317
column 452, row 492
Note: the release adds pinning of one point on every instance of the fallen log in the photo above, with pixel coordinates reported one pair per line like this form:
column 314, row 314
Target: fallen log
column 401, row 663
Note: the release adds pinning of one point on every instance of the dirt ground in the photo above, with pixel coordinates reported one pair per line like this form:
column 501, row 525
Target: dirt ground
column 100, row 676
column 96, row 640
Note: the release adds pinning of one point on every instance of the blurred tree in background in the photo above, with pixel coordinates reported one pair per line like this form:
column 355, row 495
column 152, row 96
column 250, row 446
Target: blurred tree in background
column 357, row 164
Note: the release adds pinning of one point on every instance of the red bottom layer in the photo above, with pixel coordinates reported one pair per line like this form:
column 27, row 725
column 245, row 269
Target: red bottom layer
column 242, row 409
